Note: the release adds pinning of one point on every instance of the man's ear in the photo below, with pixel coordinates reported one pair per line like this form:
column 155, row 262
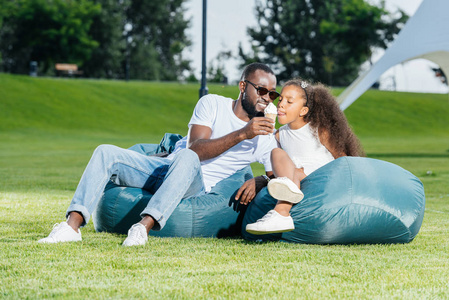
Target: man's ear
column 242, row 86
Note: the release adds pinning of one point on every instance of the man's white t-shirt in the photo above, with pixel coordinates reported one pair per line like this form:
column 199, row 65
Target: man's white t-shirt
column 216, row 112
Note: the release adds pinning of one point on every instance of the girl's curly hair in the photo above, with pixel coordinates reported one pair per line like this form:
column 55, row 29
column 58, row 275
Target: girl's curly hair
column 325, row 114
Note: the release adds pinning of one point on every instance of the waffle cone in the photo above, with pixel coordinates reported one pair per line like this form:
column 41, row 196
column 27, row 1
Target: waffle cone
column 271, row 116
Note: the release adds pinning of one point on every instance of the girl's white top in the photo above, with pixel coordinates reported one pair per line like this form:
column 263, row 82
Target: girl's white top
column 304, row 147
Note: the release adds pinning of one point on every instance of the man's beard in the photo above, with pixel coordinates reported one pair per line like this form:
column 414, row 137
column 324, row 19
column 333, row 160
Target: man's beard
column 249, row 108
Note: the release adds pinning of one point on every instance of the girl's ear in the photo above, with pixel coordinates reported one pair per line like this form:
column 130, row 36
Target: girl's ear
column 304, row 111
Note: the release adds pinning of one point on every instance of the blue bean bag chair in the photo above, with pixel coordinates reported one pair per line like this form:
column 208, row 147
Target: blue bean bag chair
column 351, row 200
column 215, row 214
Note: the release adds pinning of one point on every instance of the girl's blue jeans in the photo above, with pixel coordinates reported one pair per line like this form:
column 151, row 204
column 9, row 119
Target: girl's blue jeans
column 169, row 180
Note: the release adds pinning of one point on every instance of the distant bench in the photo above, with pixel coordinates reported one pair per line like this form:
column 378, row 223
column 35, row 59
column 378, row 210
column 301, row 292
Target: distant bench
column 67, row 70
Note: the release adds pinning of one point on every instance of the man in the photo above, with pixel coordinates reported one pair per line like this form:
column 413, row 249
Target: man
column 225, row 135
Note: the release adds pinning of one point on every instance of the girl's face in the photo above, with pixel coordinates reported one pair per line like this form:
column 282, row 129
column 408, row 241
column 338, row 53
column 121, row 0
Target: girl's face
column 291, row 106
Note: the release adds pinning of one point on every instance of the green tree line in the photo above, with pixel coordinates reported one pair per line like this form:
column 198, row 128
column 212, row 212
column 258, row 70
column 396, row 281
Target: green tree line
column 91, row 34
column 320, row 40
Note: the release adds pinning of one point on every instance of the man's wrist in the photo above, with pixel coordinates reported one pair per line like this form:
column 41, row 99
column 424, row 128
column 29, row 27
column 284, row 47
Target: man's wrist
column 261, row 182
column 241, row 135
column 266, row 178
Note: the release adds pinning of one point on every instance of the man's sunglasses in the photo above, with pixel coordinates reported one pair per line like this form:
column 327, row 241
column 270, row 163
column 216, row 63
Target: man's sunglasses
column 261, row 91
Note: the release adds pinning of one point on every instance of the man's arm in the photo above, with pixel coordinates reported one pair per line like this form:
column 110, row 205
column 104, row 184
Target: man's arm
column 199, row 137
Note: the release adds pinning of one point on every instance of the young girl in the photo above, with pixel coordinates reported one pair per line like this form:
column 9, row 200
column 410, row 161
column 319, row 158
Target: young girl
column 315, row 132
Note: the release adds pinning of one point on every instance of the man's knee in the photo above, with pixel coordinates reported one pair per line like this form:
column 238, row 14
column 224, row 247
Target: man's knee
column 188, row 157
column 105, row 150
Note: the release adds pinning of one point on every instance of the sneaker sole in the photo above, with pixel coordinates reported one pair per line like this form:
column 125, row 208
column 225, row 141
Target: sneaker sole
column 280, row 191
column 267, row 232
column 56, row 242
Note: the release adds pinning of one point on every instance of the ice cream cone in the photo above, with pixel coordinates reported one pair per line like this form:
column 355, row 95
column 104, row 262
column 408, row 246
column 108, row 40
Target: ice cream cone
column 271, row 112
column 271, row 116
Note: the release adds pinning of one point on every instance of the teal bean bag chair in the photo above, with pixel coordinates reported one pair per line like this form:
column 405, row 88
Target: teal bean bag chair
column 215, row 214
column 351, row 200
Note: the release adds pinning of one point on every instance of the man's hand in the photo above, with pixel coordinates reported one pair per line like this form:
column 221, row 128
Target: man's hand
column 258, row 126
column 246, row 192
column 206, row 148
column 249, row 189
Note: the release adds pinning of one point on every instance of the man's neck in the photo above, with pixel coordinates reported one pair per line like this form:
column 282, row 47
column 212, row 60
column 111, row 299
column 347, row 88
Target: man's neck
column 239, row 111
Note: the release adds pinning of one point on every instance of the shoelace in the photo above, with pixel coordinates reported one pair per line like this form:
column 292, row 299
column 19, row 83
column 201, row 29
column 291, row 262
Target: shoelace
column 55, row 230
column 135, row 234
column 267, row 216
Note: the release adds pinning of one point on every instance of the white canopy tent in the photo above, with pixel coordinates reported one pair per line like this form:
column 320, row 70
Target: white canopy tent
column 425, row 35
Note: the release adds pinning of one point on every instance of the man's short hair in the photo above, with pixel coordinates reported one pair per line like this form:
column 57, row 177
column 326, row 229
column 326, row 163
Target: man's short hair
column 253, row 67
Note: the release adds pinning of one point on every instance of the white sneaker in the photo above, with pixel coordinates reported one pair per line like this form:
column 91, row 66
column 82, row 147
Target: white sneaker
column 137, row 236
column 272, row 222
column 62, row 232
column 282, row 188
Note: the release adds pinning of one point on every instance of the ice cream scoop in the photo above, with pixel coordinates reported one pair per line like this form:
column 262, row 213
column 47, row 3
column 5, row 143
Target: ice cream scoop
column 271, row 112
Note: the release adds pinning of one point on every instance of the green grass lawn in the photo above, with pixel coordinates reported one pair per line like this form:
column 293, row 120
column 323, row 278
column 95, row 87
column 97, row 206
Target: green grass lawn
column 49, row 128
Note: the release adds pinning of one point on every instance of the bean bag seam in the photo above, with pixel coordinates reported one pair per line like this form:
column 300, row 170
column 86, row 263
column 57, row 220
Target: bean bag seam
column 192, row 206
column 351, row 188
column 116, row 201
column 391, row 214
column 382, row 210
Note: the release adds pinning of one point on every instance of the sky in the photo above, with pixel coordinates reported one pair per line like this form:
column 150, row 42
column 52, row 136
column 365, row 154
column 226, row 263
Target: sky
column 228, row 20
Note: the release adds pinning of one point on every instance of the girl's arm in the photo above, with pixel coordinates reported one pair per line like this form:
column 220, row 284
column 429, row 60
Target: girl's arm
column 324, row 139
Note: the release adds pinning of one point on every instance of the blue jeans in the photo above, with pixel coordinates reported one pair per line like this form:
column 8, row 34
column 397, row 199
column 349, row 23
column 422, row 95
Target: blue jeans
column 169, row 180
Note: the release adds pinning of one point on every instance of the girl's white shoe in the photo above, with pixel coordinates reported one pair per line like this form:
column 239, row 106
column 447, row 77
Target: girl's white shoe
column 282, row 188
column 272, row 222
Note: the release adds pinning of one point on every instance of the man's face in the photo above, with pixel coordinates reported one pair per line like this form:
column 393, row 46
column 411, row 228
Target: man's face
column 252, row 102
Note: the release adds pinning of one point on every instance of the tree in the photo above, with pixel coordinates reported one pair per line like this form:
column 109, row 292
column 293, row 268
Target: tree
column 46, row 31
column 321, row 40
column 158, row 39
column 216, row 69
column 3, row 12
column 91, row 34
column 106, row 60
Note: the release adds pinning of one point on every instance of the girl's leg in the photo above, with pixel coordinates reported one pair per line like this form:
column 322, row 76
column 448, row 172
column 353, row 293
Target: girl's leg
column 279, row 219
column 283, row 208
column 283, row 166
